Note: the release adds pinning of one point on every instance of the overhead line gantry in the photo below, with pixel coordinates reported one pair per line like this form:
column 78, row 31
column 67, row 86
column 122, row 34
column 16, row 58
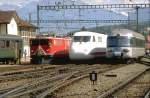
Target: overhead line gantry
column 59, row 7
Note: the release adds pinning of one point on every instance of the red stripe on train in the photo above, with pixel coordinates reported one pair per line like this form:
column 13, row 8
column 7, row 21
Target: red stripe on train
column 98, row 53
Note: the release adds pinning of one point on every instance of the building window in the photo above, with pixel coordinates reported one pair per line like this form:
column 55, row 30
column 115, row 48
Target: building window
column 7, row 43
column 12, row 25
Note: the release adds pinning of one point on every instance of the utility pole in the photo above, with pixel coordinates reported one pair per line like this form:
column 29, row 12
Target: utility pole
column 128, row 20
column 137, row 18
column 149, row 16
column 30, row 17
column 38, row 18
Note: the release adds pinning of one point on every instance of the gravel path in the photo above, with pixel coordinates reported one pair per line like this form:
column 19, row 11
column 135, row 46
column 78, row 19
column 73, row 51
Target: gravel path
column 85, row 89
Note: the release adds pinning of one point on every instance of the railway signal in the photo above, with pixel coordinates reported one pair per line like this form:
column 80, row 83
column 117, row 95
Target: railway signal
column 93, row 77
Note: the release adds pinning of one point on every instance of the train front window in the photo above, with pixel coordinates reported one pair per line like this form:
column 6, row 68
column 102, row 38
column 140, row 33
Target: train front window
column 39, row 42
column 81, row 38
column 121, row 41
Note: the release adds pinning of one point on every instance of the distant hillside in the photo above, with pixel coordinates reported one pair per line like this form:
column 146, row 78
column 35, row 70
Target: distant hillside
column 108, row 29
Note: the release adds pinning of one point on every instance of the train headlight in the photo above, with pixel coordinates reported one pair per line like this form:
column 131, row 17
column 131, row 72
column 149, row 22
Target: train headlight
column 125, row 50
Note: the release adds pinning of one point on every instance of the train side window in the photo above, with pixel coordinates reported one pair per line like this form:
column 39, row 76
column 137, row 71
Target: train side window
column 133, row 42
column 7, row 43
column 12, row 44
column 99, row 39
column 2, row 44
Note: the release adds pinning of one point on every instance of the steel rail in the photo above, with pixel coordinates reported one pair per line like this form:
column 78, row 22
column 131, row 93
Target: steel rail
column 73, row 79
column 33, row 83
column 121, row 85
column 147, row 95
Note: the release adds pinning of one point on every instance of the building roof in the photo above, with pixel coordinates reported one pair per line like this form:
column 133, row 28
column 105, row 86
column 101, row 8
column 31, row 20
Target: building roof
column 23, row 23
column 6, row 16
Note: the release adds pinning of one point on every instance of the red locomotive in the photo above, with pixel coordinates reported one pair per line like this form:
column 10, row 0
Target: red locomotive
column 44, row 49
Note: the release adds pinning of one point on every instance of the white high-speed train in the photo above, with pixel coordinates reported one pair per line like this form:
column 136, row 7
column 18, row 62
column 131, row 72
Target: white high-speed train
column 125, row 44
column 87, row 45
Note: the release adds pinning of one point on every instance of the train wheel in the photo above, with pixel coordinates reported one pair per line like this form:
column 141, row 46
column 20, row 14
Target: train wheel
column 3, row 62
column 42, row 61
column 139, row 59
column 128, row 62
column 15, row 61
column 50, row 61
column 32, row 61
column 7, row 61
column 39, row 60
column 46, row 61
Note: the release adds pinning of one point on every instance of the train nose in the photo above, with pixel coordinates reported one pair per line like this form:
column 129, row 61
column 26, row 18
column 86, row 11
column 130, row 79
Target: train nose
column 79, row 54
column 40, row 51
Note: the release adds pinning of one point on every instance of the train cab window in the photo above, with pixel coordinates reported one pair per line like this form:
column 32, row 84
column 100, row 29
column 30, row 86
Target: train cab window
column 76, row 38
column 44, row 42
column 34, row 42
column 86, row 38
column 39, row 42
column 7, row 43
column 81, row 38
column 121, row 41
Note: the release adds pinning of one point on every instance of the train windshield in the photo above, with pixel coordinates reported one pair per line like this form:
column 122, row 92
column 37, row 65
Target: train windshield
column 81, row 38
column 39, row 42
column 121, row 41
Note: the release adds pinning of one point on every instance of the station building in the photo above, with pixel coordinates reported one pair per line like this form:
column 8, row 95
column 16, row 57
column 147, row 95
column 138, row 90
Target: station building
column 12, row 24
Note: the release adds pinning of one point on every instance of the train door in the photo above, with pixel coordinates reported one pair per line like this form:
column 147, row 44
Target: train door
column 17, row 49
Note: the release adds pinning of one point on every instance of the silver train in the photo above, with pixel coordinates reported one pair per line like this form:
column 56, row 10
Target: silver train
column 125, row 44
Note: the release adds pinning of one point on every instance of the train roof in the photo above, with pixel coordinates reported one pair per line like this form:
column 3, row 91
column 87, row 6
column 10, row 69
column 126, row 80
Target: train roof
column 126, row 32
column 43, row 37
column 87, row 33
column 11, row 37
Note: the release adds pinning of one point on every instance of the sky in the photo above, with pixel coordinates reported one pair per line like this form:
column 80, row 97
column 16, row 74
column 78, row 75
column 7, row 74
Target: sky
column 24, row 7
column 16, row 2
column 24, row 2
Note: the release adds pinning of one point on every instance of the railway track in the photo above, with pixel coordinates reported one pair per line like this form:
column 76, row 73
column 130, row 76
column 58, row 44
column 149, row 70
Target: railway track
column 41, row 87
column 32, row 86
column 147, row 95
column 126, row 90
column 35, row 72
